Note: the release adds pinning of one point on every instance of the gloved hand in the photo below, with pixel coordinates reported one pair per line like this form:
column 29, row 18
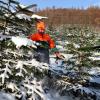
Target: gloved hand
column 59, row 56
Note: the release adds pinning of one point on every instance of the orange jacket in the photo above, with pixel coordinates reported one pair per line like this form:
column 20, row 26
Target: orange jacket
column 43, row 37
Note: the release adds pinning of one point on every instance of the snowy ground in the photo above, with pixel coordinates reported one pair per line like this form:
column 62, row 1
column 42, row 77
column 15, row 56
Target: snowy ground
column 52, row 95
column 5, row 96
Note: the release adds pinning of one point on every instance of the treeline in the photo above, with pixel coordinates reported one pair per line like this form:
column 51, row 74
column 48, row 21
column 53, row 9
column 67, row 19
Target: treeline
column 59, row 16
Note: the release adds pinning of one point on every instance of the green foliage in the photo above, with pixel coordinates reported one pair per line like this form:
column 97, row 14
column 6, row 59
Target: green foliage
column 9, row 20
column 82, row 42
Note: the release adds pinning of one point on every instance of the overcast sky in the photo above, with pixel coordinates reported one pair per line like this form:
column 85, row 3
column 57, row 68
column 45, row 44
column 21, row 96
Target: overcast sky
column 61, row 3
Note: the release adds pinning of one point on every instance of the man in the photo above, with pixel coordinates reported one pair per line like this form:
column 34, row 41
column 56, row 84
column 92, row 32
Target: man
column 45, row 42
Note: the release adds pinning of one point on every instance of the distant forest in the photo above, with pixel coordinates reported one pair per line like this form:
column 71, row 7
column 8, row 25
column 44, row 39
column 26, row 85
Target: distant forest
column 60, row 16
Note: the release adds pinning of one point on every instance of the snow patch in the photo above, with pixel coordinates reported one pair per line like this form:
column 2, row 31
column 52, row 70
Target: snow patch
column 21, row 41
column 95, row 58
column 23, row 16
column 5, row 96
column 38, row 17
column 94, row 71
column 95, row 80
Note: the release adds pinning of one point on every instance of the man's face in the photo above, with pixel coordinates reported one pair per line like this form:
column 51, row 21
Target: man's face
column 41, row 31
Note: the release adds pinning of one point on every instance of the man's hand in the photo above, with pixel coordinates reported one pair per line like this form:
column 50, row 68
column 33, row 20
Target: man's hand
column 59, row 56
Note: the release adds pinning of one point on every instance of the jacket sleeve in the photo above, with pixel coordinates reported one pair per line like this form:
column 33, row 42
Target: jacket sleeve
column 32, row 37
column 51, row 43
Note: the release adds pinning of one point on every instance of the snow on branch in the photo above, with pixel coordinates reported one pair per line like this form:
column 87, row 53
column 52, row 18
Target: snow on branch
column 20, row 66
column 6, row 72
column 34, row 88
column 22, row 41
column 38, row 17
column 23, row 16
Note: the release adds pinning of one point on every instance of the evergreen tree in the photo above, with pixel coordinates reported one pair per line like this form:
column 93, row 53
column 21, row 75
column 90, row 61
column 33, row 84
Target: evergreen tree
column 83, row 43
column 18, row 69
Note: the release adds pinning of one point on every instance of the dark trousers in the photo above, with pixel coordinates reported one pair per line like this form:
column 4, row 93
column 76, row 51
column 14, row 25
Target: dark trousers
column 42, row 55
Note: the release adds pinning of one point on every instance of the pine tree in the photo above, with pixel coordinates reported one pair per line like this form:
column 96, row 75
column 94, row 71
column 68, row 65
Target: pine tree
column 83, row 43
column 18, row 69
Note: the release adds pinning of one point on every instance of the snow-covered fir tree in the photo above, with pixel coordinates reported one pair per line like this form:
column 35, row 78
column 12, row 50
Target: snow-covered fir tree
column 17, row 66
